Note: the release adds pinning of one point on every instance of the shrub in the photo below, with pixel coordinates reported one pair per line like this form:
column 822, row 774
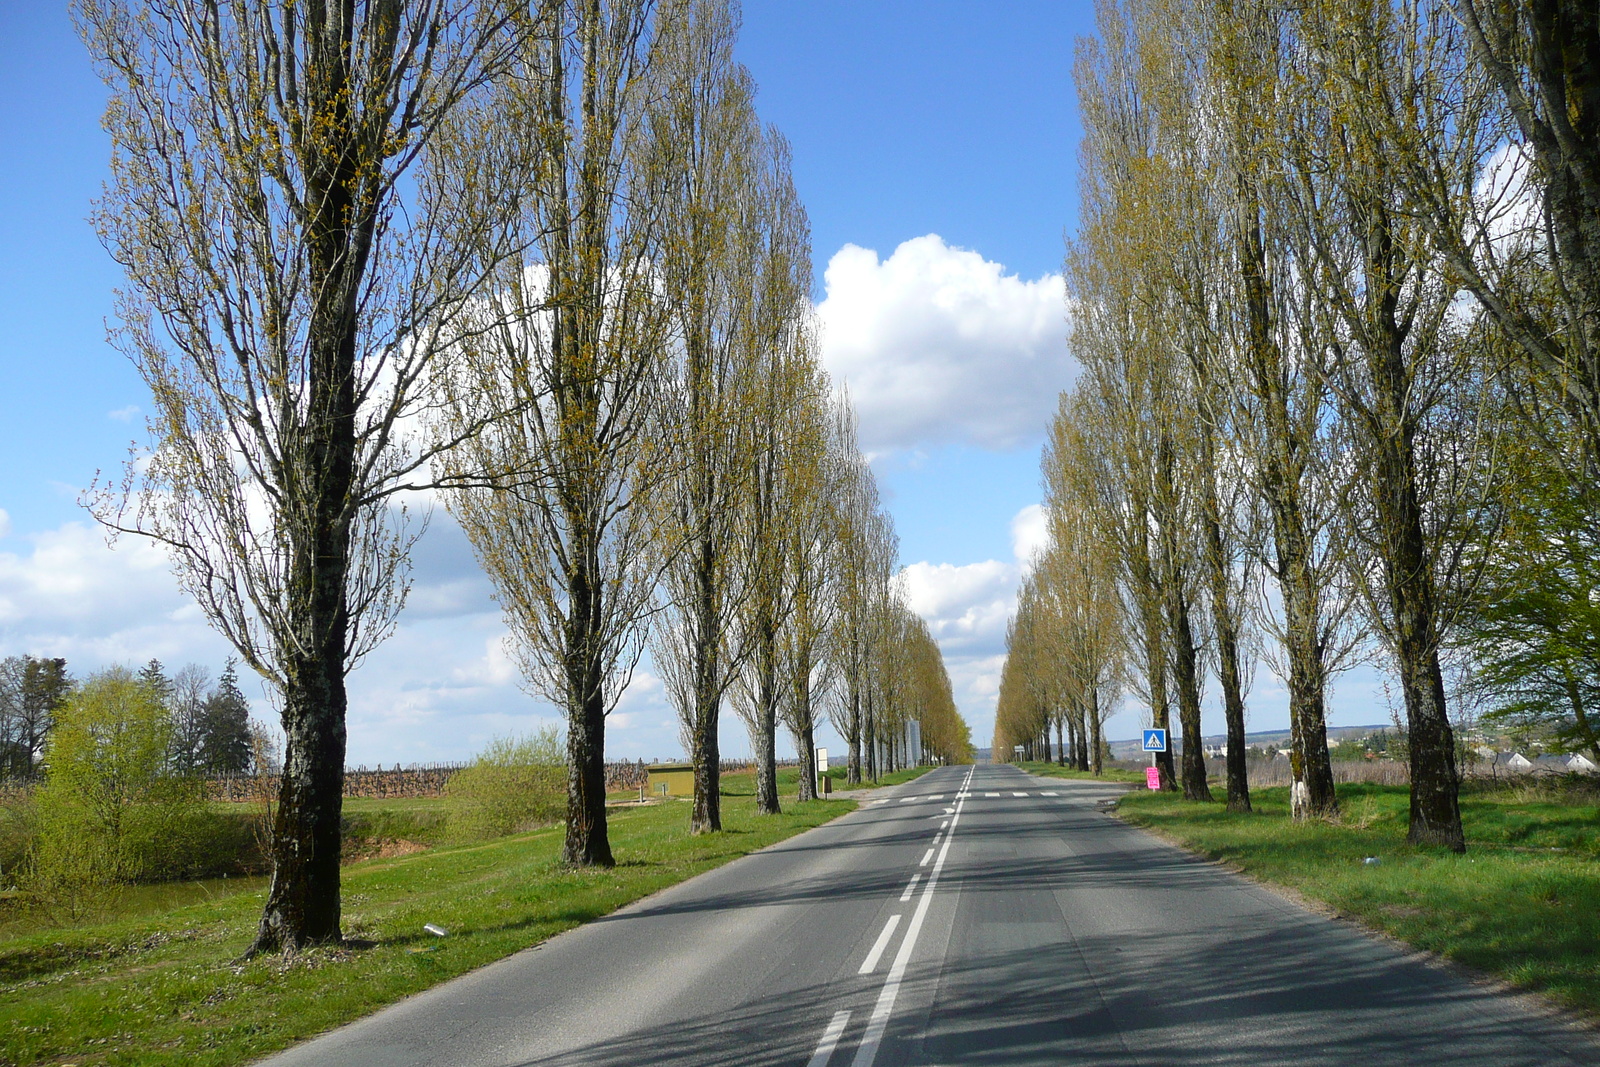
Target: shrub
column 110, row 810
column 516, row 783
column 16, row 836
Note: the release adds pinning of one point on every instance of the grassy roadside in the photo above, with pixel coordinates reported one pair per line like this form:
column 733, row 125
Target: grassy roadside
column 168, row 989
column 1054, row 770
column 1522, row 905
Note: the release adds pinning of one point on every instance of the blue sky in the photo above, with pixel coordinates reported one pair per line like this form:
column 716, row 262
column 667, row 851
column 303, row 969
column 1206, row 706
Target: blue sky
column 935, row 147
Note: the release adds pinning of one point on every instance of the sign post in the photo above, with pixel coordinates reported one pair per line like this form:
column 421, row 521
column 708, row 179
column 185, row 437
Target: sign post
column 1154, row 741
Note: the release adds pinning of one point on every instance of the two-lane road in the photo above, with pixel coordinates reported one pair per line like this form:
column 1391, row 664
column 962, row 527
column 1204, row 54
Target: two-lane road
column 975, row 916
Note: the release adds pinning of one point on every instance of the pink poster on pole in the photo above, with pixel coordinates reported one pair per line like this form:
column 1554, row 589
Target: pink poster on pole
column 1152, row 777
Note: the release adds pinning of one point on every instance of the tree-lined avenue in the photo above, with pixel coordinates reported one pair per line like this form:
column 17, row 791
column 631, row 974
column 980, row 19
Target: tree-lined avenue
column 976, row 915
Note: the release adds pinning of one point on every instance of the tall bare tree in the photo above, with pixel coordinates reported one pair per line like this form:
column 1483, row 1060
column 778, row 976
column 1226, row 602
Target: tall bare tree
column 812, row 554
column 572, row 339
column 1184, row 212
column 1080, row 572
column 707, row 145
column 791, row 395
column 1282, row 411
column 289, row 292
column 863, row 567
column 1418, row 442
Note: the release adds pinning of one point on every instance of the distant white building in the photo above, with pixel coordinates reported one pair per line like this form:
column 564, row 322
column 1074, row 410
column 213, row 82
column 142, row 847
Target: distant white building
column 1513, row 761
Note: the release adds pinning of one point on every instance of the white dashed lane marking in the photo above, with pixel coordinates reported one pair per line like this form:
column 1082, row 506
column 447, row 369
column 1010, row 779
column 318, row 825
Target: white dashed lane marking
column 870, row 964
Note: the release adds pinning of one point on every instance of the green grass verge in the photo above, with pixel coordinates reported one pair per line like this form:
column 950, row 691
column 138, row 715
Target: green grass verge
column 1055, row 770
column 169, row 989
column 1523, row 904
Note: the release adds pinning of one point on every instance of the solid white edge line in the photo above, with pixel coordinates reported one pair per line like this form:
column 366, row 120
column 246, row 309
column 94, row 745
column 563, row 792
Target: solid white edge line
column 830, row 1038
column 910, row 886
column 867, row 1051
column 870, row 964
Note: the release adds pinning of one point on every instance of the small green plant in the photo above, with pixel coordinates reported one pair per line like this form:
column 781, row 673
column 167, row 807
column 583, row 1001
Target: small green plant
column 515, row 784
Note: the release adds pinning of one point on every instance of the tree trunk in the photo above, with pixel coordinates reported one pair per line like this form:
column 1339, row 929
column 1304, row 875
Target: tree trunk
column 1228, row 673
column 588, row 843
column 1186, row 672
column 852, row 772
column 1312, row 769
column 1095, row 743
column 1156, row 679
column 767, row 746
column 1409, row 575
column 706, row 816
column 869, row 738
column 806, row 735
column 1312, row 792
column 303, row 904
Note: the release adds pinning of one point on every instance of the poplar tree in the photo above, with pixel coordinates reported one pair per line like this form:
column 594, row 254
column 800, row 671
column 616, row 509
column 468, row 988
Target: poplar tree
column 293, row 278
column 571, row 341
column 706, row 147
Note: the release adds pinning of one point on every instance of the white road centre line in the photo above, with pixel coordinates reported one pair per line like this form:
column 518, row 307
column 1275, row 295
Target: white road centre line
column 830, row 1038
column 991, row 794
column 870, row 964
column 867, row 1051
column 1019, row 794
column 926, row 857
column 937, row 796
column 907, row 800
column 943, row 824
column 910, row 886
column 1049, row 794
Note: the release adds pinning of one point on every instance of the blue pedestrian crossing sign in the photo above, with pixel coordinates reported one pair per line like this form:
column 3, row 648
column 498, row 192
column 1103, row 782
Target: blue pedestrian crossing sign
column 1155, row 740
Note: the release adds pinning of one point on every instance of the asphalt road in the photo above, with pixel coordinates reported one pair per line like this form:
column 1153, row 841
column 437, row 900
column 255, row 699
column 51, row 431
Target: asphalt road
column 975, row 916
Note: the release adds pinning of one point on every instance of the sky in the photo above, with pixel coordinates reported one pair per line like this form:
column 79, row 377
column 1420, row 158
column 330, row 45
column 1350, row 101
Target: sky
column 935, row 148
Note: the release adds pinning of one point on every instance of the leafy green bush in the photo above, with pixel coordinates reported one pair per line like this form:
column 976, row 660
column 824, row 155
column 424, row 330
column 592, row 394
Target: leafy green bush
column 110, row 811
column 515, row 784
column 16, row 837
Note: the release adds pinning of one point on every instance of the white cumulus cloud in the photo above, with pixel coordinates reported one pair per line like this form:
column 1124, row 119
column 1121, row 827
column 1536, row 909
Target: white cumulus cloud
column 940, row 345
column 1030, row 532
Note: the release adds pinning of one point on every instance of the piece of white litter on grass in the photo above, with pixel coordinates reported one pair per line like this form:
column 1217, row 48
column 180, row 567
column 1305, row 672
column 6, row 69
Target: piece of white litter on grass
column 435, row 930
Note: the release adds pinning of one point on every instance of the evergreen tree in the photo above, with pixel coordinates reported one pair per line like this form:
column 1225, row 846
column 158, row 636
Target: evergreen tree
column 154, row 676
column 225, row 736
column 31, row 691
